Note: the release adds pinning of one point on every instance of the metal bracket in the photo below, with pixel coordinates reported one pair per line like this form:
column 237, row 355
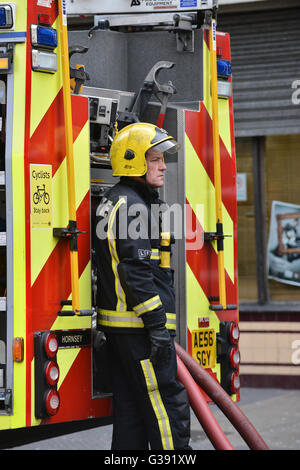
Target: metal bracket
column 70, row 232
column 79, row 74
column 72, row 313
column 184, row 33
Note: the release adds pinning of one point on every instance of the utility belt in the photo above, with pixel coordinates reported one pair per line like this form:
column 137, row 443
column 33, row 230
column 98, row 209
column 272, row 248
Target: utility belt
column 128, row 319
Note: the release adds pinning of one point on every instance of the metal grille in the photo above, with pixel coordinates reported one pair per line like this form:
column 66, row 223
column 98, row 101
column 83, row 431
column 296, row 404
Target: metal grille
column 265, row 49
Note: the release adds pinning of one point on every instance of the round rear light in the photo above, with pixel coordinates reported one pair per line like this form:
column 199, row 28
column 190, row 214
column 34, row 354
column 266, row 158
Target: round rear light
column 235, row 358
column 52, row 373
column 51, row 345
column 234, row 333
column 235, row 383
column 52, row 402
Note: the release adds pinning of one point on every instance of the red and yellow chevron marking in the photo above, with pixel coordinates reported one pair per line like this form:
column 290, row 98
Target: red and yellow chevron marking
column 202, row 265
column 47, row 258
column 17, row 419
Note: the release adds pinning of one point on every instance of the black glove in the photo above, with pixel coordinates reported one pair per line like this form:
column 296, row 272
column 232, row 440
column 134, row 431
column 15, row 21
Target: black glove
column 161, row 345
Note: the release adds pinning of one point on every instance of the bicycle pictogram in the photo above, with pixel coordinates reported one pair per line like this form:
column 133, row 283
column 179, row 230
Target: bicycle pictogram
column 40, row 194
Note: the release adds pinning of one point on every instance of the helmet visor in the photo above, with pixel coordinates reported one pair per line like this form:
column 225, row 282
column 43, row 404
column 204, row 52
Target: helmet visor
column 168, row 146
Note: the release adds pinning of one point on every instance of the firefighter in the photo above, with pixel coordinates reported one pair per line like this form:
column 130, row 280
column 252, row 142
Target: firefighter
column 135, row 297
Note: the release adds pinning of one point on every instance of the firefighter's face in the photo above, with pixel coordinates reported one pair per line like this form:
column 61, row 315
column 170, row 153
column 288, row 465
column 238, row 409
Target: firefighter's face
column 156, row 168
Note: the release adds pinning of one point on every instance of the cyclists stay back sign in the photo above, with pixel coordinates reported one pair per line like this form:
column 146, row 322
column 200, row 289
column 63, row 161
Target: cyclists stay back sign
column 41, row 195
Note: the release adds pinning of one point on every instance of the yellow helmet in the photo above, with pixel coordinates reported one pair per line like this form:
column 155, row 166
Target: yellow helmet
column 129, row 147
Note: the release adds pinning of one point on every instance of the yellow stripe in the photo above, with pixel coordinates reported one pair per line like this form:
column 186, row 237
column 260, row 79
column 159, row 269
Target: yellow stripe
column 123, row 316
column 200, row 190
column 158, row 406
column 18, row 419
column 155, row 254
column 121, row 304
column 65, row 359
column 121, row 324
column 224, row 116
column 144, row 307
column 43, row 237
column 67, row 323
column 130, row 324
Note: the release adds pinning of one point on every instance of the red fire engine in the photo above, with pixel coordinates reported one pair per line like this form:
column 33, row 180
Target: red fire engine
column 55, row 167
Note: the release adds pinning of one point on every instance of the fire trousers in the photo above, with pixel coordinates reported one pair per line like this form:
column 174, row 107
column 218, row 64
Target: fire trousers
column 150, row 406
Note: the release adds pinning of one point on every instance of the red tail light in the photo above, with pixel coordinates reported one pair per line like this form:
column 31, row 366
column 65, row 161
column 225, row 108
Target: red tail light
column 51, row 345
column 235, row 383
column 52, row 402
column 235, row 358
column 46, row 374
column 52, row 373
column 234, row 333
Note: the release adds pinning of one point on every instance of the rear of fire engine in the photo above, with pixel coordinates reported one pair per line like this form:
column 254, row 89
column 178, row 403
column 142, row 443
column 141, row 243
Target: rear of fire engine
column 160, row 62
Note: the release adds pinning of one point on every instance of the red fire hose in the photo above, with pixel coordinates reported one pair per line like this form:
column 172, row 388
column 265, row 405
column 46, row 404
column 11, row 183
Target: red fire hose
column 202, row 410
column 214, row 390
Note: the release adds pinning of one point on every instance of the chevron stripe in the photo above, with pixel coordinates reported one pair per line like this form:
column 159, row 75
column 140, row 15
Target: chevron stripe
column 202, row 279
column 52, row 280
column 43, row 237
column 200, row 190
column 47, row 259
column 47, row 143
column 199, row 131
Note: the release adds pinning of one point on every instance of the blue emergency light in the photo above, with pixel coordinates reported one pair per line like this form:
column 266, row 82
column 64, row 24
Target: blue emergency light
column 6, row 17
column 43, row 37
column 223, row 68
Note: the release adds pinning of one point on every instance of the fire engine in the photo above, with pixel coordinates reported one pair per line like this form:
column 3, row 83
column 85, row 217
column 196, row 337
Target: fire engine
column 161, row 62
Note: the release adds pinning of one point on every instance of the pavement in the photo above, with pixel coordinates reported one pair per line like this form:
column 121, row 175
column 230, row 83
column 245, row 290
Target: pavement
column 275, row 413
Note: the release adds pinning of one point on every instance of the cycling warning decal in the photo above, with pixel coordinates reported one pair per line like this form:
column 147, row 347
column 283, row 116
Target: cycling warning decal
column 41, row 195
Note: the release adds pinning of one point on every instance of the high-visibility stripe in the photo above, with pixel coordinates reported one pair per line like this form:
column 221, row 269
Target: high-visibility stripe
column 157, row 405
column 155, row 254
column 128, row 319
column 43, row 238
column 121, row 304
column 119, row 319
column 147, row 306
column 195, row 174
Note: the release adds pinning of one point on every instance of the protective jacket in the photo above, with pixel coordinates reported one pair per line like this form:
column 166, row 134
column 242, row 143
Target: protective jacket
column 136, row 295
column 127, row 249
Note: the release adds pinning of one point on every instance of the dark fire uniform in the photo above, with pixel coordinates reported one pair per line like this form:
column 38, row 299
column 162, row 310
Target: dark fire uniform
column 135, row 294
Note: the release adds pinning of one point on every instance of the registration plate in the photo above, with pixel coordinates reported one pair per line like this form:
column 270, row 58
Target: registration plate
column 204, row 347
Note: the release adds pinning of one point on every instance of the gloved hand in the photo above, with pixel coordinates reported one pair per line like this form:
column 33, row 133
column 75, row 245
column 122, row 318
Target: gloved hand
column 161, row 345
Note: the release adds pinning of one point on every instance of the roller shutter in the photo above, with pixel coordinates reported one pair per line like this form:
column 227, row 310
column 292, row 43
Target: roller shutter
column 265, row 48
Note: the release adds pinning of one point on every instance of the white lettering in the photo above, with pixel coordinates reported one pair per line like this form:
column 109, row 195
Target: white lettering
column 296, row 354
column 296, row 93
column 71, row 339
column 115, row 460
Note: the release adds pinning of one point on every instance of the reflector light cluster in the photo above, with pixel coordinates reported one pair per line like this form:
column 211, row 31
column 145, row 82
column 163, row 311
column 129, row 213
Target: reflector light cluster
column 224, row 74
column 43, row 41
column 47, row 399
column 228, row 355
column 6, row 17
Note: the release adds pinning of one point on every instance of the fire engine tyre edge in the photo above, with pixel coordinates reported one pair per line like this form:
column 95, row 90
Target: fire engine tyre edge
column 214, row 390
